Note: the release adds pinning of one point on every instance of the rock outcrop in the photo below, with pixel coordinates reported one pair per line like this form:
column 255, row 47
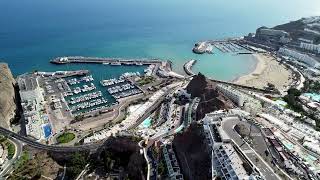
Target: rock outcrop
column 192, row 153
column 211, row 98
column 7, row 95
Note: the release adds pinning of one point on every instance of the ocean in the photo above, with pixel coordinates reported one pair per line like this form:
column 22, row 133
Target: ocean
column 33, row 32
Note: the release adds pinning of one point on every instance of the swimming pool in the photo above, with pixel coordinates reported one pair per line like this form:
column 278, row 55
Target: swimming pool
column 47, row 130
column 146, row 123
column 179, row 128
column 313, row 96
column 311, row 158
column 288, row 145
column 281, row 103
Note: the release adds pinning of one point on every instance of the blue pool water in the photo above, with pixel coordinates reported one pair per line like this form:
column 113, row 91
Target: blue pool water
column 47, row 130
column 179, row 128
column 42, row 30
column 313, row 96
column 281, row 103
column 146, row 123
column 289, row 146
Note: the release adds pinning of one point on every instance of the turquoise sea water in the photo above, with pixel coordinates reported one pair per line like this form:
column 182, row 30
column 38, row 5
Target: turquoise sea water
column 32, row 32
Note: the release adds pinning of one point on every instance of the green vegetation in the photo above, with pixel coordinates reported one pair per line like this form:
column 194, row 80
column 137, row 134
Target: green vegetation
column 2, row 139
column 10, row 147
column 311, row 86
column 293, row 103
column 136, row 138
column 292, row 99
column 76, row 165
column 32, row 165
column 78, row 118
column 65, row 137
column 20, row 167
column 146, row 80
column 22, row 160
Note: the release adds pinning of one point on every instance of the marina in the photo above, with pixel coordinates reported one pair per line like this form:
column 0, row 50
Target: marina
column 88, row 104
column 233, row 46
column 88, row 94
column 127, row 93
column 77, row 81
column 112, row 81
column 122, row 87
column 85, row 97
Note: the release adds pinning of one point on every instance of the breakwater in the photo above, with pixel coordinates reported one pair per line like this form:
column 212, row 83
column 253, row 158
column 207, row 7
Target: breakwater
column 187, row 67
column 110, row 61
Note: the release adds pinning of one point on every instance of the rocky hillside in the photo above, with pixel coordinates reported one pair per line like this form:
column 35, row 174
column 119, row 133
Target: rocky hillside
column 119, row 156
column 7, row 95
column 192, row 153
column 306, row 28
column 211, row 98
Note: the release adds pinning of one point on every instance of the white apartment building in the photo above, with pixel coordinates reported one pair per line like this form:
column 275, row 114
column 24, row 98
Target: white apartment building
column 232, row 94
column 172, row 163
column 225, row 161
column 247, row 102
column 2, row 154
column 229, row 162
column 299, row 56
column 310, row 47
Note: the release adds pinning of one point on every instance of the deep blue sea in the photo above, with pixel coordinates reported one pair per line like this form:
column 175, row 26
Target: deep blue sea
column 34, row 31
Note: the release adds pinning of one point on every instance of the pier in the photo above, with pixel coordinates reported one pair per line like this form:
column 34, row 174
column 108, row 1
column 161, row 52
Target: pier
column 110, row 61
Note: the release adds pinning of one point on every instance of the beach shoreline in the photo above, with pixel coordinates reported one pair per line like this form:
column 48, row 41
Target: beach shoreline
column 267, row 71
column 258, row 67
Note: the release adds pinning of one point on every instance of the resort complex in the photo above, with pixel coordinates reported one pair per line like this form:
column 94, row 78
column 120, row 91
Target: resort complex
column 142, row 120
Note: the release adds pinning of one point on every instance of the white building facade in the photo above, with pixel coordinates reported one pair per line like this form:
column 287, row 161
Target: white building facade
column 299, row 56
column 232, row 94
column 310, row 47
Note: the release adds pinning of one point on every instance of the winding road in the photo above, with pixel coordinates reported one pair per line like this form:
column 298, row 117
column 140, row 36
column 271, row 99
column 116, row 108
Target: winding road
column 55, row 148
column 8, row 165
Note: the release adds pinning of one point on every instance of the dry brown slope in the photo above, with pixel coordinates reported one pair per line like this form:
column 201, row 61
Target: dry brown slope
column 7, row 95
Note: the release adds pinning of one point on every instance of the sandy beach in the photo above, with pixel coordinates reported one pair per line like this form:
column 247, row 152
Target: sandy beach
column 267, row 70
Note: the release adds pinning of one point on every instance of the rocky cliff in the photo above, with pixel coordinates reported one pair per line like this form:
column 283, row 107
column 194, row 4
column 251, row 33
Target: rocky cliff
column 7, row 95
column 192, row 153
column 211, row 98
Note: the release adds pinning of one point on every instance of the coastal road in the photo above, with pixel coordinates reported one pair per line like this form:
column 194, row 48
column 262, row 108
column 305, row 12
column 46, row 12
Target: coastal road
column 18, row 150
column 228, row 126
column 37, row 145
